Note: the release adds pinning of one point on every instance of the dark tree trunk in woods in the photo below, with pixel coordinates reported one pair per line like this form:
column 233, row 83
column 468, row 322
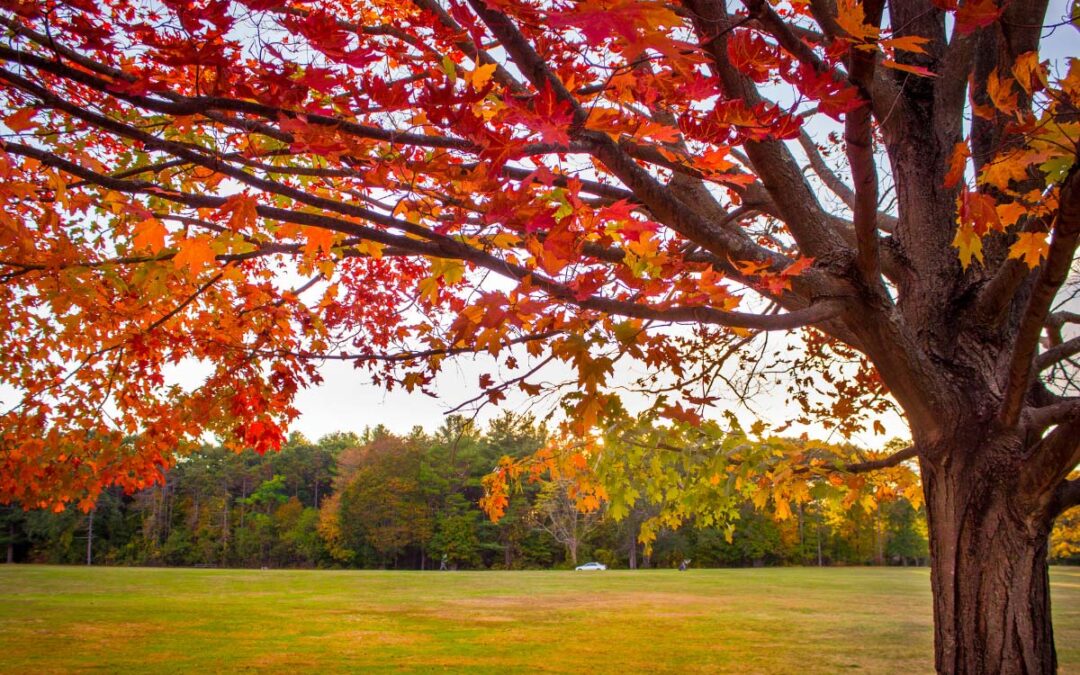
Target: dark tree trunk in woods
column 90, row 539
column 11, row 543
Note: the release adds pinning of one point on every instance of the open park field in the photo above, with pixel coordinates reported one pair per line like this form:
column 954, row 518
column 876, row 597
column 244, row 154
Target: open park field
column 754, row 620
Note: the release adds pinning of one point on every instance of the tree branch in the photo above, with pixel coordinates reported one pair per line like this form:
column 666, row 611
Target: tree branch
column 858, row 132
column 1066, row 496
column 1037, row 420
column 1055, row 271
column 1057, row 354
column 892, row 460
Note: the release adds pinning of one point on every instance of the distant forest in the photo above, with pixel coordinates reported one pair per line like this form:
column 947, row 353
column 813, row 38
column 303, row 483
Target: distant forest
column 383, row 501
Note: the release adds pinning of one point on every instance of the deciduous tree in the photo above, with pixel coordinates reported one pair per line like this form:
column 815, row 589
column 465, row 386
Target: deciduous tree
column 557, row 182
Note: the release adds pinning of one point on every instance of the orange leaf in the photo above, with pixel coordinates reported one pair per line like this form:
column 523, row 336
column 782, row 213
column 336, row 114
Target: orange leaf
column 1001, row 92
column 150, row 234
column 194, row 254
column 1029, row 73
column 852, row 19
column 1031, row 247
column 914, row 70
column 1010, row 213
column 242, row 211
column 957, row 162
column 21, row 120
column 318, row 240
column 906, row 43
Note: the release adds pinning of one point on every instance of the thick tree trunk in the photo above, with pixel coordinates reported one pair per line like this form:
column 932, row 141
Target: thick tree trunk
column 988, row 573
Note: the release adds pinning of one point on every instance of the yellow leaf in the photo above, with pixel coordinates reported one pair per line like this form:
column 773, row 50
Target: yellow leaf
column 481, row 76
column 1031, row 247
column 428, row 289
column 451, row 271
column 194, row 254
column 371, row 248
column 969, row 244
column 150, row 234
column 783, row 509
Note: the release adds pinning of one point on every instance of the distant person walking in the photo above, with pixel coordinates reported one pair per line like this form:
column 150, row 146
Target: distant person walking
column 442, row 564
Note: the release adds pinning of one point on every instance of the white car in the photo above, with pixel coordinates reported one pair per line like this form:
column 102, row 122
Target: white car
column 591, row 566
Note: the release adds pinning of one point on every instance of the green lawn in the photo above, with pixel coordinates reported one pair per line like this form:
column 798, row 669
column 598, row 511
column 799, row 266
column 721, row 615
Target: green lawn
column 763, row 620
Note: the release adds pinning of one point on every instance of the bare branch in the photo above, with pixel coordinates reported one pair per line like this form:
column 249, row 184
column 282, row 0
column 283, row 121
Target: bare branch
column 1057, row 354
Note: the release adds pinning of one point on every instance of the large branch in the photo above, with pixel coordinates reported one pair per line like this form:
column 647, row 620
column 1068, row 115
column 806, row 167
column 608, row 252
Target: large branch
column 1066, row 496
column 1055, row 271
column 859, row 135
column 1050, row 462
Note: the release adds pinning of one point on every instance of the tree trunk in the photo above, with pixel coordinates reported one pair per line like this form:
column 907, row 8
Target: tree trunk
column 11, row 543
column 90, row 538
column 989, row 572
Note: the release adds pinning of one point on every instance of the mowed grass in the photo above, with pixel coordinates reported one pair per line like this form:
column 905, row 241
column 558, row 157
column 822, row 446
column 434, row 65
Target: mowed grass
column 786, row 620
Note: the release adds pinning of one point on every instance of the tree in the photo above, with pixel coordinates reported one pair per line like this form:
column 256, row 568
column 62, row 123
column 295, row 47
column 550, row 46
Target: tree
column 622, row 166
column 382, row 514
column 558, row 512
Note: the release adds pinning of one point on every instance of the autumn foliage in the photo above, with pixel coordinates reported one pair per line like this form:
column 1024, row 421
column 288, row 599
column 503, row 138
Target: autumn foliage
column 634, row 189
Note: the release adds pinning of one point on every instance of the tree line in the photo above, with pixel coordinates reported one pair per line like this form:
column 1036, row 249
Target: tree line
column 378, row 500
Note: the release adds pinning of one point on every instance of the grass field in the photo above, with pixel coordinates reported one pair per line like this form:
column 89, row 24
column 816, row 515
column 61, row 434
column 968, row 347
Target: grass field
column 749, row 621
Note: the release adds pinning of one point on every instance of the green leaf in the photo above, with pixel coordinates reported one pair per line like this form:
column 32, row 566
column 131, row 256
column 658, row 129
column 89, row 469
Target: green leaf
column 1057, row 168
column 449, row 68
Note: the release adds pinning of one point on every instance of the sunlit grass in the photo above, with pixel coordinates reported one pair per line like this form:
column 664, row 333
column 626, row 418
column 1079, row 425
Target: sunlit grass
column 749, row 621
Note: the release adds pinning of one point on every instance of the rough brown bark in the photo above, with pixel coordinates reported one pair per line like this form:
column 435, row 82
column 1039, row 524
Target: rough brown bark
column 989, row 574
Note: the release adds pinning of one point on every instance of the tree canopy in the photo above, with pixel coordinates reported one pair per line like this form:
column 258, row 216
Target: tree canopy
column 262, row 185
